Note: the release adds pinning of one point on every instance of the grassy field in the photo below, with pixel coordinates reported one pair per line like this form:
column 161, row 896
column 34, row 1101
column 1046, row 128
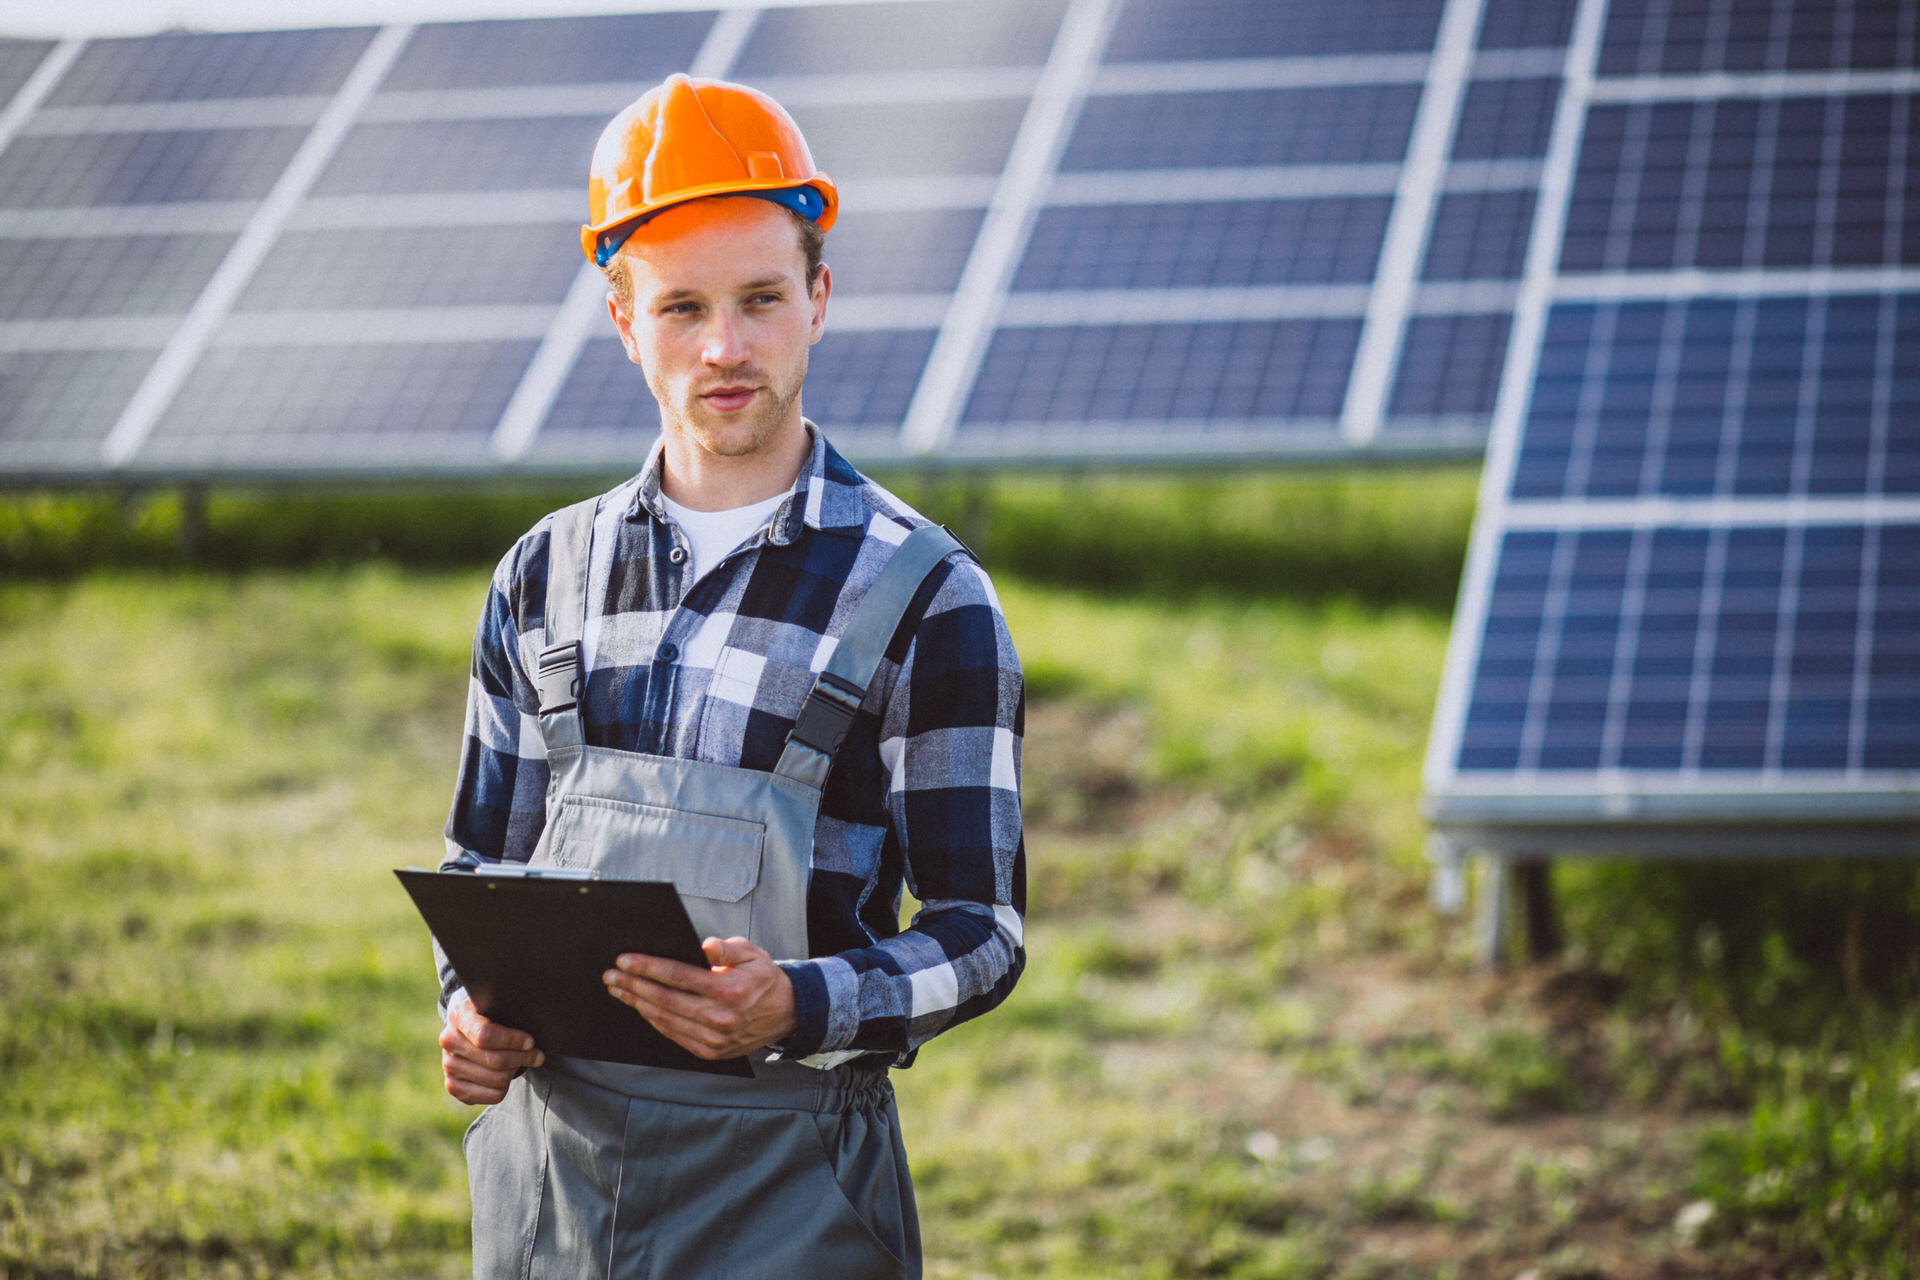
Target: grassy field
column 1245, row 1045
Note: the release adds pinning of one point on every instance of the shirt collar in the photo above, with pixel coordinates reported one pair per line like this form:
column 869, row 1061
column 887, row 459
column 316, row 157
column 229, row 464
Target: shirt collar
column 825, row 495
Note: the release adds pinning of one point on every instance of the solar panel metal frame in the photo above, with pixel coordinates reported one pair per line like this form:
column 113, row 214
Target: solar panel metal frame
column 1532, row 812
column 1047, row 100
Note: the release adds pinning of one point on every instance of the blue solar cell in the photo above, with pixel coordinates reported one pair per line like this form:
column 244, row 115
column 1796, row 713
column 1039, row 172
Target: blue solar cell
column 1740, row 691
column 143, row 168
column 1340, row 124
column 1666, row 639
column 347, row 406
column 57, row 406
column 907, row 139
column 131, row 275
column 1644, row 37
column 463, row 155
column 1787, row 183
column 1235, row 371
column 907, row 252
column 1325, row 241
column 605, row 392
column 247, row 64
column 1642, row 398
column 864, row 379
column 1819, row 706
column 1449, row 366
column 1526, row 24
column 1503, row 682
column 1154, row 30
column 638, row 49
column 894, row 37
column 1479, row 235
column 18, row 60
column 415, row 267
column 1503, row 119
column 1892, row 736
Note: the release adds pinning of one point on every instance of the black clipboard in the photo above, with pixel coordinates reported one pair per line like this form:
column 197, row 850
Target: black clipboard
column 530, row 950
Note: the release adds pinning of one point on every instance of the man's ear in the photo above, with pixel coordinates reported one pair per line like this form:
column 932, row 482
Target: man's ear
column 623, row 323
column 822, row 287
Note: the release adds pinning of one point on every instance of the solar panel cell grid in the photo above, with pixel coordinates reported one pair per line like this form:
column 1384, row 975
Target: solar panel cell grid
column 1479, row 235
column 1754, row 397
column 903, row 139
column 338, row 406
column 894, row 37
column 1791, row 183
column 1239, row 242
column 1721, row 649
column 1330, row 125
column 1251, row 369
column 1526, row 24
column 1503, row 119
column 1153, row 30
column 1449, row 365
column 637, row 49
column 18, row 60
column 1646, row 37
column 909, row 252
column 133, row 275
column 451, row 156
column 252, row 64
column 56, row 406
column 605, row 392
column 142, row 168
column 415, row 267
column 865, row 379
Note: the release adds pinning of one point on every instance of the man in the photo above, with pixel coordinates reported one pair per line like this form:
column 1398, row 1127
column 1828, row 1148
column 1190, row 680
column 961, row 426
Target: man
column 745, row 671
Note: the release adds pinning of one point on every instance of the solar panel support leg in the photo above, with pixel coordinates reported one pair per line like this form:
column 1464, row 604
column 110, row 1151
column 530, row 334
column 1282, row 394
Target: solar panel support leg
column 1490, row 911
column 1536, row 906
column 193, row 522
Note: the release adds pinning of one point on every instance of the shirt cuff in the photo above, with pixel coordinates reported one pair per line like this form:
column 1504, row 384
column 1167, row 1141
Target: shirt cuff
column 810, row 1008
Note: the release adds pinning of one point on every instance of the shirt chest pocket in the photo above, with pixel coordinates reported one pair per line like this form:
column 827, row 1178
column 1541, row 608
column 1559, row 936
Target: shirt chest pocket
column 750, row 695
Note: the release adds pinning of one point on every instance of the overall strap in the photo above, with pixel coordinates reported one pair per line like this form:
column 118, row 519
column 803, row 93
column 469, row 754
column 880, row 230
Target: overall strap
column 839, row 690
column 559, row 679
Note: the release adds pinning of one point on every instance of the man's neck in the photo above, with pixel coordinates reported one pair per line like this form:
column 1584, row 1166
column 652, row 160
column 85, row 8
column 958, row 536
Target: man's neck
column 704, row 481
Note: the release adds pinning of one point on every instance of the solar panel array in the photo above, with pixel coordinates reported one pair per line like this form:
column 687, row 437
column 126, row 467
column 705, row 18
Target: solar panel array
column 1691, row 618
column 1081, row 229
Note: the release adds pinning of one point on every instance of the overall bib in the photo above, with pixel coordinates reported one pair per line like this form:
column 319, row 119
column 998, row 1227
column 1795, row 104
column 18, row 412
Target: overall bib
column 603, row 1169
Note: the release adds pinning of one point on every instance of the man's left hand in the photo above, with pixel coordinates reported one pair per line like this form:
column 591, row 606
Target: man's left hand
column 743, row 1002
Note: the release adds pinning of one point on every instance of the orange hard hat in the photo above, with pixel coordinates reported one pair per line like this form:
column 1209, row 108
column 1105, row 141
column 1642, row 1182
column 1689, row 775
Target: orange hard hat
column 689, row 138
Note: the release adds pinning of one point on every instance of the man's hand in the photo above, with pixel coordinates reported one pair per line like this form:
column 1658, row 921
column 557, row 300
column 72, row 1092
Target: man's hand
column 479, row 1057
column 742, row 1003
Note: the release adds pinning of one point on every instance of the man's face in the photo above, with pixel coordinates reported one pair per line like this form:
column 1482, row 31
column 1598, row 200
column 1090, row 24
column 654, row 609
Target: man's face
column 721, row 321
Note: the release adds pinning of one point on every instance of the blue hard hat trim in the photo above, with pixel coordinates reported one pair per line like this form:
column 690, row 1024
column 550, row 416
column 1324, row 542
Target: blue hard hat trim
column 803, row 200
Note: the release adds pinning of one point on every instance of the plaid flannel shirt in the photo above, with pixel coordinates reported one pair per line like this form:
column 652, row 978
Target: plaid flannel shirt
column 924, row 792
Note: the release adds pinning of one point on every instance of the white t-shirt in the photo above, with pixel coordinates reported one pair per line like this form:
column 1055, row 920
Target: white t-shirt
column 712, row 534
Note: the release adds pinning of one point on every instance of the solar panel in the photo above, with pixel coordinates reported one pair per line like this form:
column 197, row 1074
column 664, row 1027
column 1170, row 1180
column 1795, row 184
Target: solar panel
column 1691, row 616
column 1244, row 238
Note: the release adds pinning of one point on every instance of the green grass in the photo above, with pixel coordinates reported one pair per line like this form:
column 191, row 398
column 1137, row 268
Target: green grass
column 1245, row 1045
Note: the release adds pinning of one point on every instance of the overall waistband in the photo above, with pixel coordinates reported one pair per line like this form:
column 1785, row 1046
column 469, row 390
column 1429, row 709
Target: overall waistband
column 779, row 1086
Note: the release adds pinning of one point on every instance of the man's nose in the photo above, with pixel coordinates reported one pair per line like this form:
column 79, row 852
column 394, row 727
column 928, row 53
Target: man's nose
column 725, row 342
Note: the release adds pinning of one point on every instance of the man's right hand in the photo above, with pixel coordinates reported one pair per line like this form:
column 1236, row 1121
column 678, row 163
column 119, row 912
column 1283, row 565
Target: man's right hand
column 479, row 1057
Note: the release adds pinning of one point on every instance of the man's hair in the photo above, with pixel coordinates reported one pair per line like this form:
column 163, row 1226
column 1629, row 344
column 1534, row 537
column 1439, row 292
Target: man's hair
column 812, row 244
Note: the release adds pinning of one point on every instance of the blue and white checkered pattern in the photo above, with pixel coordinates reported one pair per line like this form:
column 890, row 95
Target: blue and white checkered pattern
column 925, row 791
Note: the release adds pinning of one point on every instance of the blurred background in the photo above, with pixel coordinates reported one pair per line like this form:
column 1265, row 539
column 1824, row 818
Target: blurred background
column 1412, row 438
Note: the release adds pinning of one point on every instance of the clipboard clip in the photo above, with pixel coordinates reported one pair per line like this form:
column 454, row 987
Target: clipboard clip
column 520, row 870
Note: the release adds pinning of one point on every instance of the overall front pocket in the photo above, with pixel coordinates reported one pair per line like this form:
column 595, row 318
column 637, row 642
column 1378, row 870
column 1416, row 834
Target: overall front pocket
column 713, row 861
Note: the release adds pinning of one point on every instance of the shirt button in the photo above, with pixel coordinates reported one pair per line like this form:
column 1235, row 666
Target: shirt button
column 678, row 555
column 667, row 652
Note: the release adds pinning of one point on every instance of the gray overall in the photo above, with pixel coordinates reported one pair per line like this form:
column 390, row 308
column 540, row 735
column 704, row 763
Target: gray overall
column 602, row 1169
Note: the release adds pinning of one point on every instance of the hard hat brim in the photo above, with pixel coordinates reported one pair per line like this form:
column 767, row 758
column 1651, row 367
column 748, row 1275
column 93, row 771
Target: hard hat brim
column 590, row 233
